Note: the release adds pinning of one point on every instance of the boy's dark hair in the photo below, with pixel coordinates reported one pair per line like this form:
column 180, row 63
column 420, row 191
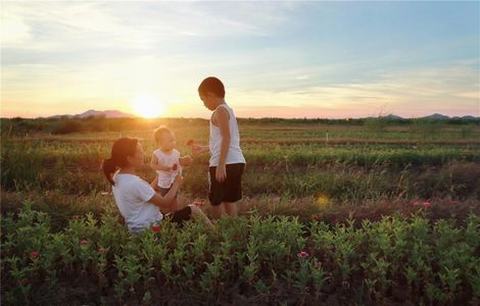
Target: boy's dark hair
column 213, row 85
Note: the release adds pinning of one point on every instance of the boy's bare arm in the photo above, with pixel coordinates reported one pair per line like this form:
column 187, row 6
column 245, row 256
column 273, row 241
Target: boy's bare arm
column 185, row 161
column 198, row 149
column 222, row 117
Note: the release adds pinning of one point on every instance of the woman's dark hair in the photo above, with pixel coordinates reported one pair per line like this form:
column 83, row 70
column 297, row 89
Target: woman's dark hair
column 121, row 149
column 213, row 85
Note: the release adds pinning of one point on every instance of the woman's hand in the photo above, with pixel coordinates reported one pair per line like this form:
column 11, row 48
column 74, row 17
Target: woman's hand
column 221, row 173
column 154, row 183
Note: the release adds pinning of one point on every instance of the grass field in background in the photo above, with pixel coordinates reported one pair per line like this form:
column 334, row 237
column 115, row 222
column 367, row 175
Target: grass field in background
column 349, row 194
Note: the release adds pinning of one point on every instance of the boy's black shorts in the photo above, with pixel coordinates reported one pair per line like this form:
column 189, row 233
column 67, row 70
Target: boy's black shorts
column 231, row 189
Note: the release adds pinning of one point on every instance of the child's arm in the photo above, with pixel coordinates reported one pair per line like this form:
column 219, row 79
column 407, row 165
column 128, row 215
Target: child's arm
column 156, row 165
column 222, row 117
column 196, row 148
column 185, row 161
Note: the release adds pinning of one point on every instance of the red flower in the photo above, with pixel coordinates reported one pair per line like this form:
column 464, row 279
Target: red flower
column 303, row 254
column 155, row 228
column 84, row 243
column 34, row 254
column 190, row 142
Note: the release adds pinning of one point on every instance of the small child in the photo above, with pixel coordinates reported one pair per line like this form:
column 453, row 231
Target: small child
column 167, row 162
column 227, row 162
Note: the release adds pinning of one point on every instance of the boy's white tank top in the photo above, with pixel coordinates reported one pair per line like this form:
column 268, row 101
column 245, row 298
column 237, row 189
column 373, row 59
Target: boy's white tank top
column 234, row 155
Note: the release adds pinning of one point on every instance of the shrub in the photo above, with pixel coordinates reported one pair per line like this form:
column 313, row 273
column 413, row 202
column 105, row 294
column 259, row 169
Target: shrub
column 262, row 260
column 67, row 127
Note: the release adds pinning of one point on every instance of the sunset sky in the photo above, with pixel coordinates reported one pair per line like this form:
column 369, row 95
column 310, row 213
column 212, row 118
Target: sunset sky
column 277, row 59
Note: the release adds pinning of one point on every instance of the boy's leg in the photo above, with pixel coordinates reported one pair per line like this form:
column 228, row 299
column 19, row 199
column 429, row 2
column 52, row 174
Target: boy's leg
column 233, row 187
column 216, row 194
column 231, row 209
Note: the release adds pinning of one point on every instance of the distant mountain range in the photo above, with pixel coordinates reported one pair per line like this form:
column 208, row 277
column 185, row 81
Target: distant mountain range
column 93, row 113
column 118, row 114
column 436, row 117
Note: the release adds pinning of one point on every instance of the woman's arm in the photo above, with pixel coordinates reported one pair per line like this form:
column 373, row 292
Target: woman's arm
column 163, row 202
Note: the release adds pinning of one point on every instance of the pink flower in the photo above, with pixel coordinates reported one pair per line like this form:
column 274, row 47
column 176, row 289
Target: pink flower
column 34, row 254
column 427, row 204
column 102, row 250
column 417, row 203
column 303, row 254
column 155, row 228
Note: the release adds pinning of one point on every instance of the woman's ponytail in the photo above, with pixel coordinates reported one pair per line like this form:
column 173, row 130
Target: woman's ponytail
column 109, row 167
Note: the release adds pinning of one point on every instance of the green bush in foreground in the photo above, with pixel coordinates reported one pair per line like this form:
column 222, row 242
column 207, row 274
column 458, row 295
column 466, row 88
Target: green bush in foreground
column 246, row 261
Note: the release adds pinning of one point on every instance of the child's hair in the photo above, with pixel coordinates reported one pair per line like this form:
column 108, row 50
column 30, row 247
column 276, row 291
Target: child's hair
column 213, row 85
column 121, row 149
column 158, row 133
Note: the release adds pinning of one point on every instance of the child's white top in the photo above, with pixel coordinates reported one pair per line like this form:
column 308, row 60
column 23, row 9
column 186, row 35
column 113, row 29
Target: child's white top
column 131, row 194
column 166, row 178
column 234, row 154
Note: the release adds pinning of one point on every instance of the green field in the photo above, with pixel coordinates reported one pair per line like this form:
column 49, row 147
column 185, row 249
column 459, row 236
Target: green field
column 386, row 211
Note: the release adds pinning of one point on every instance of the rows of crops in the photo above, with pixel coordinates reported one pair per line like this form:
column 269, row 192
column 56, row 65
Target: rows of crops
column 333, row 213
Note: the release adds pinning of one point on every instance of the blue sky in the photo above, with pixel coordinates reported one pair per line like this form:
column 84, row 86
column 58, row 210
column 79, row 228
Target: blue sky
column 287, row 59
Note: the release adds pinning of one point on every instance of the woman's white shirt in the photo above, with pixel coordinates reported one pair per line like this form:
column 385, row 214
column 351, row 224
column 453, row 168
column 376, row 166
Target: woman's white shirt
column 131, row 195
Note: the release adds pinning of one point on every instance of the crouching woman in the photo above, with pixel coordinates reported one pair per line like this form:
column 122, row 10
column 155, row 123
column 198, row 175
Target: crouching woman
column 139, row 204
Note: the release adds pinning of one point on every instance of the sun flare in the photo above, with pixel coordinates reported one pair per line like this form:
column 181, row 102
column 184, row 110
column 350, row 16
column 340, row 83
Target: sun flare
column 148, row 106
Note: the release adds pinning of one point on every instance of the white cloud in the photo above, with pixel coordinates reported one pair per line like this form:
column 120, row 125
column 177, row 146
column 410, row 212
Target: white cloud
column 13, row 30
column 66, row 53
column 70, row 25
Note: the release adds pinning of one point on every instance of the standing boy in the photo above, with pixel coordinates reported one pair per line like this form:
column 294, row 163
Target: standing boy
column 226, row 158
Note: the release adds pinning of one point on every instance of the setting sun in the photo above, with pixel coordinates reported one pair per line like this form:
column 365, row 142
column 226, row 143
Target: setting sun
column 148, row 106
